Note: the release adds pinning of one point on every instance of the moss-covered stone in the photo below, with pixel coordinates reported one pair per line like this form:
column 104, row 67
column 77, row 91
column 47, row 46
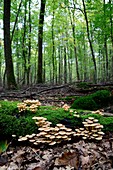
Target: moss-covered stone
column 93, row 101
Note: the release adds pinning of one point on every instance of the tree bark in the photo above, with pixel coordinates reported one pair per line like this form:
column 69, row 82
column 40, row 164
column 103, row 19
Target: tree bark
column 40, row 42
column 74, row 42
column 16, row 20
column 90, row 42
column 111, row 34
column 65, row 66
column 24, row 50
column 11, row 83
column 29, row 46
column 53, row 46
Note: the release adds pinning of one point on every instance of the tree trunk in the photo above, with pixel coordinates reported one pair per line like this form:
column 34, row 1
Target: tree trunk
column 40, row 41
column 105, row 42
column 24, row 50
column 11, row 83
column 74, row 42
column 0, row 68
column 53, row 46
column 16, row 19
column 29, row 46
column 90, row 42
column 65, row 66
column 111, row 31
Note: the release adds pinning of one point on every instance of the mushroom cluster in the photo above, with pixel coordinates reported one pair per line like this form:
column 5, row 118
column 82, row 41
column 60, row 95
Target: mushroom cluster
column 21, row 107
column 48, row 135
column 31, row 105
column 54, row 135
column 100, row 112
column 66, row 107
column 92, row 129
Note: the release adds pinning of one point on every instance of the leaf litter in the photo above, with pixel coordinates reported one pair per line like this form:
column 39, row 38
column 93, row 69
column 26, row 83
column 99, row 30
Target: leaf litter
column 82, row 155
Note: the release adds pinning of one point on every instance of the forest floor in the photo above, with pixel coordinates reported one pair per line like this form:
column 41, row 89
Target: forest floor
column 75, row 155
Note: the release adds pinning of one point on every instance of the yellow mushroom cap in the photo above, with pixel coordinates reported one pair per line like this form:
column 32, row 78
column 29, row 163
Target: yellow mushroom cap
column 52, row 143
column 43, row 133
column 84, row 137
column 68, row 129
column 60, row 125
column 101, row 133
column 91, row 118
column 95, row 120
column 62, row 132
column 98, row 138
column 22, row 139
column 52, row 137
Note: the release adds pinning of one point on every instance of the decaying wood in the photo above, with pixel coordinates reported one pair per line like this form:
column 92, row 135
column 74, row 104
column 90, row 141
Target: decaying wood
column 108, row 114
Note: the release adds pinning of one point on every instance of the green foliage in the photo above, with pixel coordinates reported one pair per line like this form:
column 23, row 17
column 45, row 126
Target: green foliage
column 94, row 101
column 3, row 146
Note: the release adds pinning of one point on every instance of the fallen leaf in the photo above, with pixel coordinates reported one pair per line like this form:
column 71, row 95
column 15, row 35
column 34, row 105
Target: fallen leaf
column 69, row 158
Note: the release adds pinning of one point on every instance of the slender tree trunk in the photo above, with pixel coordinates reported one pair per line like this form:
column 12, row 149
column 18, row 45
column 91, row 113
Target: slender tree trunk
column 53, row 45
column 29, row 46
column 24, row 50
column 106, row 55
column 111, row 30
column 74, row 42
column 65, row 66
column 17, row 63
column 16, row 20
column 85, row 59
column 59, row 70
column 44, row 70
column 70, row 65
column 90, row 42
column 0, row 69
column 40, row 41
column 11, row 83
column 105, row 42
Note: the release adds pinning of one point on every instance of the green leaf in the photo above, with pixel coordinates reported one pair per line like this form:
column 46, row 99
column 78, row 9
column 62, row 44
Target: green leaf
column 3, row 146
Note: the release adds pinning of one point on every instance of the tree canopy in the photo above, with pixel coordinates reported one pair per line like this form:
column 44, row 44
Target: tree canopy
column 76, row 42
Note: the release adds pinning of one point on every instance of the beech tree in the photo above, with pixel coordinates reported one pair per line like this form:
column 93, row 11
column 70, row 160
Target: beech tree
column 11, row 83
column 40, row 41
column 73, row 42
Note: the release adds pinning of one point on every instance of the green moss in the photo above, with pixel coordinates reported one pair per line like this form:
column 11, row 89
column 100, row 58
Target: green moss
column 22, row 124
column 86, row 103
column 11, row 125
column 94, row 101
column 101, row 97
column 8, row 108
column 96, row 116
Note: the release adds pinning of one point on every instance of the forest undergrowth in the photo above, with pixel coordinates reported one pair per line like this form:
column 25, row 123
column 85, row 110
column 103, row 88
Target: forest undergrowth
column 76, row 154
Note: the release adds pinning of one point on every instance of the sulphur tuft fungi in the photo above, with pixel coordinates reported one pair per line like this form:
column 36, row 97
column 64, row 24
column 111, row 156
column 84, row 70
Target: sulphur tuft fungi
column 31, row 105
column 92, row 129
column 66, row 107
